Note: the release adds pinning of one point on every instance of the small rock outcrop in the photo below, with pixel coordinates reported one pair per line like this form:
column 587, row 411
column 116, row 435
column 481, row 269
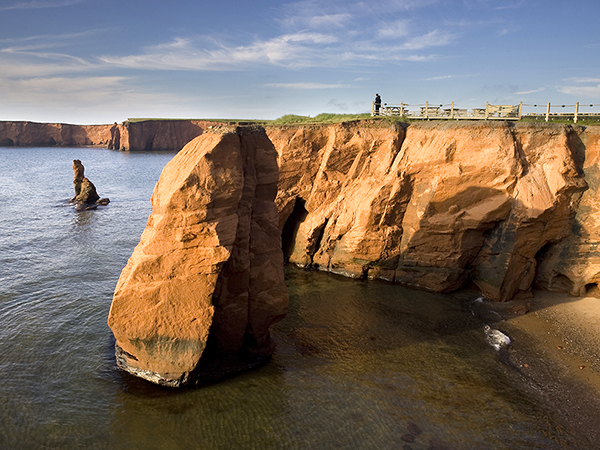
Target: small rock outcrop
column 85, row 191
column 200, row 291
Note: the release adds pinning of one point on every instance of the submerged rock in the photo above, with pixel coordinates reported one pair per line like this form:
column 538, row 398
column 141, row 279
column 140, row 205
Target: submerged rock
column 205, row 283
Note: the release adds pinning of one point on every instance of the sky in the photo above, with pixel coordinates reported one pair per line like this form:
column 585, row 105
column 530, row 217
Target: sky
column 104, row 61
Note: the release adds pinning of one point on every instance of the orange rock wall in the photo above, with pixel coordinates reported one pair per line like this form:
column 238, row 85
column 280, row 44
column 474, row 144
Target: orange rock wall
column 29, row 134
column 148, row 135
column 434, row 205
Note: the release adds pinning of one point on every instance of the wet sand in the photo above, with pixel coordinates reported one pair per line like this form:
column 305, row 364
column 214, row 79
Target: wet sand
column 555, row 350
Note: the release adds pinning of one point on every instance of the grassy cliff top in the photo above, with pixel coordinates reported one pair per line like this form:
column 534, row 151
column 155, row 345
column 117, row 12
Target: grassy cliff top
column 328, row 118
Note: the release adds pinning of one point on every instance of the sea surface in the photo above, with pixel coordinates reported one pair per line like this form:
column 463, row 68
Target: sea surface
column 358, row 364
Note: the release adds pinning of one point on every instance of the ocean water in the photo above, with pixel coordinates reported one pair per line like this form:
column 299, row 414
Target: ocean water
column 358, row 364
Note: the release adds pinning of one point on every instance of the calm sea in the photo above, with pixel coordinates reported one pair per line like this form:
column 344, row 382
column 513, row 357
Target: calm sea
column 358, row 365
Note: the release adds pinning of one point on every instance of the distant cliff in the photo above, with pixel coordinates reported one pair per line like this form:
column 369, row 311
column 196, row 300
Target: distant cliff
column 34, row 134
column 147, row 135
column 439, row 205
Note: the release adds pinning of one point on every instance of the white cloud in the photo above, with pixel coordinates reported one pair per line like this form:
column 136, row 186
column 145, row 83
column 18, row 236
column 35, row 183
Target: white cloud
column 60, row 90
column 33, row 4
column 40, row 64
column 585, row 80
column 583, row 91
column 291, row 50
column 441, row 77
column 393, row 30
column 434, row 38
column 532, row 91
column 307, row 86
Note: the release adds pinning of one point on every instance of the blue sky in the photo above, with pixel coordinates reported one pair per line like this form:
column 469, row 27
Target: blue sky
column 92, row 61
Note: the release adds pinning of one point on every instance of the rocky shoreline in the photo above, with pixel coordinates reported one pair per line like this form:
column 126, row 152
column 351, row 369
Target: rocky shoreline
column 554, row 356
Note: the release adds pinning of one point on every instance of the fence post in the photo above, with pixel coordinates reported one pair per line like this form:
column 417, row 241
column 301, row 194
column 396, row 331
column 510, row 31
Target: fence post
column 520, row 110
column 548, row 112
column 373, row 108
column 427, row 110
column 401, row 109
column 452, row 110
column 487, row 110
column 576, row 112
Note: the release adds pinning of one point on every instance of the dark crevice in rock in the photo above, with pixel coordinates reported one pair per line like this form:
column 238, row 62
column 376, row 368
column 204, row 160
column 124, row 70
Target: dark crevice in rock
column 291, row 226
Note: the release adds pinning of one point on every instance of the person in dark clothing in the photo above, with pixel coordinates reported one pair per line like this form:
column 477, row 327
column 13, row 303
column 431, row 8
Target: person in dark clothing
column 377, row 104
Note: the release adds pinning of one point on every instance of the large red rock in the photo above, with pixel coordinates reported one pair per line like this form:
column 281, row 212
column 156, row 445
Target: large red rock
column 205, row 283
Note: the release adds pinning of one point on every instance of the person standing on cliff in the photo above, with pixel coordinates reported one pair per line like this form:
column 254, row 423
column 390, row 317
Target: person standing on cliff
column 377, row 104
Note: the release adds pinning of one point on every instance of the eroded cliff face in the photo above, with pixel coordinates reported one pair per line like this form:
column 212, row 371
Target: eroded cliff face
column 161, row 134
column 431, row 205
column 28, row 134
column 205, row 283
column 573, row 264
column 146, row 135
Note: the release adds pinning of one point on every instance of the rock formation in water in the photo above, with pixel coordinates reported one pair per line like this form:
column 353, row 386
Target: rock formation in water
column 432, row 205
column 205, row 283
column 85, row 191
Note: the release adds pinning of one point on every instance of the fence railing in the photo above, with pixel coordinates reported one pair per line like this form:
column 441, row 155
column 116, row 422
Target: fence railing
column 449, row 111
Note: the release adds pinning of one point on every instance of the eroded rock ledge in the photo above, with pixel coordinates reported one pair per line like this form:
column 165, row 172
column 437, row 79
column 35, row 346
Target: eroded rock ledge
column 205, row 283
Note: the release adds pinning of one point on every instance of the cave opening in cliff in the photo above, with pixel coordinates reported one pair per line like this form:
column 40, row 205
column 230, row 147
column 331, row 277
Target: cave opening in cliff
column 291, row 226
column 592, row 290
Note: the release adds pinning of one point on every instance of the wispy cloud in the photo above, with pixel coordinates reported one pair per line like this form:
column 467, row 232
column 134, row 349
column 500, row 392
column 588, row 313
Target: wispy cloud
column 34, row 4
column 532, row 91
column 291, row 50
column 306, row 86
column 57, row 90
column 441, row 77
column 393, row 30
column 584, row 80
column 583, row 91
column 434, row 38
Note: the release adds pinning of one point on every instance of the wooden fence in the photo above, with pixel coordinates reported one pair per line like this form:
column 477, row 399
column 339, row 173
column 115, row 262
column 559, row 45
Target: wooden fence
column 429, row 111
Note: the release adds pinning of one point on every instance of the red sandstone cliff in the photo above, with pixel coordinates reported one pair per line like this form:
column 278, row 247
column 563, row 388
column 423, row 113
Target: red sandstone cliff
column 432, row 205
column 28, row 134
column 148, row 135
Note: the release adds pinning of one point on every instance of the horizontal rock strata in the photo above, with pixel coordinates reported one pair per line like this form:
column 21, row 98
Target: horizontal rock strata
column 205, row 283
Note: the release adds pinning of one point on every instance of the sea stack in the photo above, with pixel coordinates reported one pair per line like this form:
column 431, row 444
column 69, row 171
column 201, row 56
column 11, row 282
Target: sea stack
column 201, row 289
column 85, row 191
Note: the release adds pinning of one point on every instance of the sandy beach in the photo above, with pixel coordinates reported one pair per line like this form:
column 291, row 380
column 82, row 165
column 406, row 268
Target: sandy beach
column 555, row 350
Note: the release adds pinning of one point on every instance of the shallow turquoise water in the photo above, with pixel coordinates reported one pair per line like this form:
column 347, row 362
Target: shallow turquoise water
column 358, row 364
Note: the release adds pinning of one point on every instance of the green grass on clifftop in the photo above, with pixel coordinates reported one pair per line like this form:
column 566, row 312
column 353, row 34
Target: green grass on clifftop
column 292, row 119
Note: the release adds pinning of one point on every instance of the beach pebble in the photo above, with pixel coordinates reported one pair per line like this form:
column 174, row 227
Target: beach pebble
column 414, row 429
column 408, row 438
